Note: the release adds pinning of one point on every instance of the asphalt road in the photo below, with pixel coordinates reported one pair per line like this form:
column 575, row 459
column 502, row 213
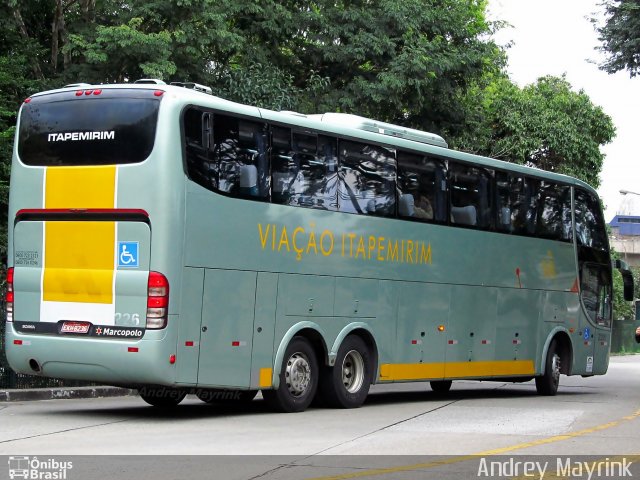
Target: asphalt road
column 403, row 431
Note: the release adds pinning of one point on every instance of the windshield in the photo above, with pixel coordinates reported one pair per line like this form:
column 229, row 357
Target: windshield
column 66, row 129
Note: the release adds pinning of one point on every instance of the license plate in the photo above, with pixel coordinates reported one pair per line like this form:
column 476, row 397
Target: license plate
column 75, row 327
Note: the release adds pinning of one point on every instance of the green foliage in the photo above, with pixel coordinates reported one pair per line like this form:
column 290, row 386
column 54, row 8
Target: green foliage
column 620, row 36
column 545, row 125
column 120, row 53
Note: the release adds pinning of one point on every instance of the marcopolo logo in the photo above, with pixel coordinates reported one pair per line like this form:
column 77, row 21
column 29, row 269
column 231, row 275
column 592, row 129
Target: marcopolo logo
column 36, row 469
column 78, row 136
column 118, row 332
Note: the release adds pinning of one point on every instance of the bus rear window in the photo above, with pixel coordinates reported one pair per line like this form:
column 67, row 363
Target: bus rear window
column 63, row 129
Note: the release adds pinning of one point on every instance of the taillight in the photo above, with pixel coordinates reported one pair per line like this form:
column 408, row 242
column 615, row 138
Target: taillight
column 157, row 300
column 9, row 297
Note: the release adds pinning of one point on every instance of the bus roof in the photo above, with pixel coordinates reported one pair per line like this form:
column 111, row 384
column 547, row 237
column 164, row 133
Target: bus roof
column 348, row 125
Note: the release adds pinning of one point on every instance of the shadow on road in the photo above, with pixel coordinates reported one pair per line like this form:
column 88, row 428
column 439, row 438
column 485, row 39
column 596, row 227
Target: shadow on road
column 192, row 408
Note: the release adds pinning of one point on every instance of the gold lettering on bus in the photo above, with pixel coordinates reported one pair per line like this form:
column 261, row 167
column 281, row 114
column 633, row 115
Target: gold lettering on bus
column 304, row 241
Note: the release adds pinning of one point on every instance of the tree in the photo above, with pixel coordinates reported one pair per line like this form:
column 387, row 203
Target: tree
column 544, row 125
column 620, row 36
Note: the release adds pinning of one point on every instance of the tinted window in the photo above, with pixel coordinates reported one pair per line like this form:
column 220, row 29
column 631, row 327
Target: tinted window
column 115, row 127
column 422, row 188
column 590, row 226
column 305, row 169
column 198, row 133
column 240, row 156
column 367, row 179
column 226, row 153
column 554, row 212
column 470, row 190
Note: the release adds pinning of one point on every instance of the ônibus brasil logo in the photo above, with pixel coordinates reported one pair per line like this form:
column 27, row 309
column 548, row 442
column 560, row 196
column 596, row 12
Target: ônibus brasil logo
column 35, row 469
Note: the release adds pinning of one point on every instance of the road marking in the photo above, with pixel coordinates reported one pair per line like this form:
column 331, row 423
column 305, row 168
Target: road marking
column 496, row 451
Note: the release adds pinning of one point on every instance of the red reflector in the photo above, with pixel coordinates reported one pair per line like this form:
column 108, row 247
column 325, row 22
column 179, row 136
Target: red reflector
column 27, row 100
column 158, row 93
column 235, row 344
column 172, row 359
column 10, row 276
column 188, row 344
column 414, row 342
column 157, row 302
column 156, row 279
column 97, row 92
column 17, row 342
column 132, row 349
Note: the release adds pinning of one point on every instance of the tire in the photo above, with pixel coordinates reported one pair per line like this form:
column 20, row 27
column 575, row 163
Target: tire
column 162, row 397
column 440, row 386
column 547, row 384
column 298, row 378
column 346, row 384
column 225, row 397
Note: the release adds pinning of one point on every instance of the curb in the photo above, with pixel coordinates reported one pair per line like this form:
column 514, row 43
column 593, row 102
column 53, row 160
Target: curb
column 26, row 395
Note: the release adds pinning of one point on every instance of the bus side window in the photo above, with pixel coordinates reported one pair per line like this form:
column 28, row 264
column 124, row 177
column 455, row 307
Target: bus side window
column 504, row 204
column 303, row 167
column 470, row 193
column 367, row 179
column 241, row 157
column 201, row 167
column 590, row 226
column 284, row 167
column 420, row 187
column 554, row 214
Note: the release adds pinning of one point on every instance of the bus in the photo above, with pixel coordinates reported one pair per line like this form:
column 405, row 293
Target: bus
column 167, row 240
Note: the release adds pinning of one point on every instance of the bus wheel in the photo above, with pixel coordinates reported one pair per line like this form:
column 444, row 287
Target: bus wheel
column 547, row 384
column 162, row 397
column 227, row 397
column 440, row 386
column 346, row 385
column 298, row 378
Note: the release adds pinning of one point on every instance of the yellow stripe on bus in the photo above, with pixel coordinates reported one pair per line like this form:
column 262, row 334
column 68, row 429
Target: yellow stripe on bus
column 79, row 256
column 419, row 371
column 80, row 187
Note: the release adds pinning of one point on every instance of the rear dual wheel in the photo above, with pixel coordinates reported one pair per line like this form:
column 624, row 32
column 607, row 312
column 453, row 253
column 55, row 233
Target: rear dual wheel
column 346, row 384
column 298, row 378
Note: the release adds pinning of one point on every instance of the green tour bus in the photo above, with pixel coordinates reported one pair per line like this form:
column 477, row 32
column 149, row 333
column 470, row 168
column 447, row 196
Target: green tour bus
column 164, row 239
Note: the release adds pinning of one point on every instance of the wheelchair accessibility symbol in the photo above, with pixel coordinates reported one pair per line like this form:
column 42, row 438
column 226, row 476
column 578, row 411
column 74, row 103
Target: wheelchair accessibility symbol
column 128, row 254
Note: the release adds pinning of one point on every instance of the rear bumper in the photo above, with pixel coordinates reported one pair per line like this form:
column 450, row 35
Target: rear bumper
column 110, row 361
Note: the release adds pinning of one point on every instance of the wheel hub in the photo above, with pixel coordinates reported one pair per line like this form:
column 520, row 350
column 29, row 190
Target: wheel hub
column 353, row 371
column 298, row 374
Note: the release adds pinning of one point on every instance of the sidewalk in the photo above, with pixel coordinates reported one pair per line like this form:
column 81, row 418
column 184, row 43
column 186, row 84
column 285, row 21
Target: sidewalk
column 30, row 394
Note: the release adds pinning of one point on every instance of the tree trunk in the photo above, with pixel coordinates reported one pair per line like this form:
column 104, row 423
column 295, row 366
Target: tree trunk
column 58, row 33
column 22, row 28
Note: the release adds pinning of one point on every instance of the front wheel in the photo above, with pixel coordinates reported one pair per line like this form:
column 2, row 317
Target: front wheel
column 162, row 397
column 547, row 384
column 346, row 384
column 298, row 378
